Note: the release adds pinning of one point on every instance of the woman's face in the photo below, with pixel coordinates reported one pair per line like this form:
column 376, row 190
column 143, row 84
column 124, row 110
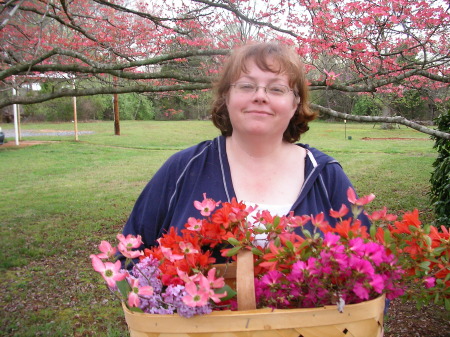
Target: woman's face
column 256, row 112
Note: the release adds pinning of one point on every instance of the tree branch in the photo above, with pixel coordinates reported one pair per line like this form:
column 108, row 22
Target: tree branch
column 100, row 91
column 397, row 119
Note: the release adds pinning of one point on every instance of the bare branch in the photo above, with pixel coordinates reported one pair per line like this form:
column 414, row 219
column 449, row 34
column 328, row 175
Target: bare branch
column 99, row 91
column 11, row 13
column 397, row 119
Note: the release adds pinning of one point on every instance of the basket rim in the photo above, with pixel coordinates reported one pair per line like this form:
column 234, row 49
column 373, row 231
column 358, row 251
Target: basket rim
column 258, row 319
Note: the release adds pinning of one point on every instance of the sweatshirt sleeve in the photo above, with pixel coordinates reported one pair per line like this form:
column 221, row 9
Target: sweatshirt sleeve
column 151, row 210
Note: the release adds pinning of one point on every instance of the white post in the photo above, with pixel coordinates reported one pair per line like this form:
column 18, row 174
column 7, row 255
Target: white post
column 75, row 117
column 16, row 120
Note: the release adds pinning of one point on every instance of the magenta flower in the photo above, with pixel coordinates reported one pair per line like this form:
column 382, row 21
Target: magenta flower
column 377, row 283
column 430, row 282
column 331, row 239
column 361, row 291
column 271, row 278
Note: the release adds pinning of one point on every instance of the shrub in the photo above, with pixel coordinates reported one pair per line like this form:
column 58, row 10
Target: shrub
column 440, row 178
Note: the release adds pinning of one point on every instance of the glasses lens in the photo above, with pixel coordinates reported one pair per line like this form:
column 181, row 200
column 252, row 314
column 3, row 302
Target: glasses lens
column 272, row 90
column 278, row 90
column 245, row 87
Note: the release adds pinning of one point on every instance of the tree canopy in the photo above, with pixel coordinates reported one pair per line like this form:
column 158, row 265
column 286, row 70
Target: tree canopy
column 379, row 47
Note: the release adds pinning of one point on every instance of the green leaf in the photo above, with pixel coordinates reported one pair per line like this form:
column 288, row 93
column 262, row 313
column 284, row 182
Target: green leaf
column 234, row 251
column 277, row 241
column 290, row 245
column 307, row 234
column 438, row 250
column 387, row 237
column 425, row 265
column 123, row 287
column 276, row 220
column 447, row 303
column 230, row 292
column 257, row 252
column 136, row 309
column 234, row 241
column 413, row 228
column 373, row 231
column 428, row 241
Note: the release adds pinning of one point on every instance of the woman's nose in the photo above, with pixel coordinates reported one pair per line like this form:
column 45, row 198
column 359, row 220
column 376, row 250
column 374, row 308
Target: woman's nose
column 260, row 94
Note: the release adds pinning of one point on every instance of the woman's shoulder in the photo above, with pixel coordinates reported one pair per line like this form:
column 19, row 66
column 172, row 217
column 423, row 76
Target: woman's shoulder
column 187, row 155
column 318, row 157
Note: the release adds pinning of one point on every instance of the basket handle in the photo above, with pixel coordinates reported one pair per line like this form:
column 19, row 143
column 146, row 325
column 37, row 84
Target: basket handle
column 245, row 284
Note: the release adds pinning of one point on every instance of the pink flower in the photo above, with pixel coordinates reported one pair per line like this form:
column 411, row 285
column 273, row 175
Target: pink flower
column 110, row 271
column 382, row 215
column 130, row 241
column 187, row 248
column 331, row 77
column 341, row 213
column 136, row 291
column 131, row 254
column 196, row 297
column 107, row 250
column 351, row 195
column 127, row 244
column 319, row 220
column 206, row 206
column 213, row 281
column 167, row 252
column 298, row 220
column 194, row 224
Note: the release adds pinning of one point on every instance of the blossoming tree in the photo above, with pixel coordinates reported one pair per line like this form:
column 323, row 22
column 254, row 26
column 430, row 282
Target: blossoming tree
column 376, row 47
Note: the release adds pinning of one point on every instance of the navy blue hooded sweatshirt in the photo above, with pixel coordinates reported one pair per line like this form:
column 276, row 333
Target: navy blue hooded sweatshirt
column 167, row 200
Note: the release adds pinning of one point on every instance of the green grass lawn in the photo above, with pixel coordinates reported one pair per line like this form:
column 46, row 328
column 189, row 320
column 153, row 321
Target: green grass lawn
column 60, row 199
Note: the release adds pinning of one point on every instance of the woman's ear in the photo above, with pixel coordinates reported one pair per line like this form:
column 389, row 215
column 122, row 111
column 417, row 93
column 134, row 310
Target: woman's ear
column 297, row 101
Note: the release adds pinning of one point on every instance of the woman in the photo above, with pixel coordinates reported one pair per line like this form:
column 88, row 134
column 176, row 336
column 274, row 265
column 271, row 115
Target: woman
column 261, row 109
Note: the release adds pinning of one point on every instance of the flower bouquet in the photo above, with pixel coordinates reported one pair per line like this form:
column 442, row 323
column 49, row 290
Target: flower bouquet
column 299, row 281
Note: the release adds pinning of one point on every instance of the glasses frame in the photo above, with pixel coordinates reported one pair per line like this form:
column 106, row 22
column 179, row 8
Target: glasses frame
column 265, row 89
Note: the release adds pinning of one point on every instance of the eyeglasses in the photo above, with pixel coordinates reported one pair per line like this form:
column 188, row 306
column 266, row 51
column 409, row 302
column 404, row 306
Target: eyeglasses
column 275, row 90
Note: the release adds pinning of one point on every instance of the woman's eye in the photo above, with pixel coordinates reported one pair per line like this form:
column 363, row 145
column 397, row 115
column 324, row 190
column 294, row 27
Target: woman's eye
column 246, row 86
column 277, row 90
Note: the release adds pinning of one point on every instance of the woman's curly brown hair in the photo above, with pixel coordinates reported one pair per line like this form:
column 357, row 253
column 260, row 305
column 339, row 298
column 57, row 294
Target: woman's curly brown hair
column 270, row 56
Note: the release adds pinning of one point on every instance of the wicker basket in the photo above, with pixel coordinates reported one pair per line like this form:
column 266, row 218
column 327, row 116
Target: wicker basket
column 358, row 320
